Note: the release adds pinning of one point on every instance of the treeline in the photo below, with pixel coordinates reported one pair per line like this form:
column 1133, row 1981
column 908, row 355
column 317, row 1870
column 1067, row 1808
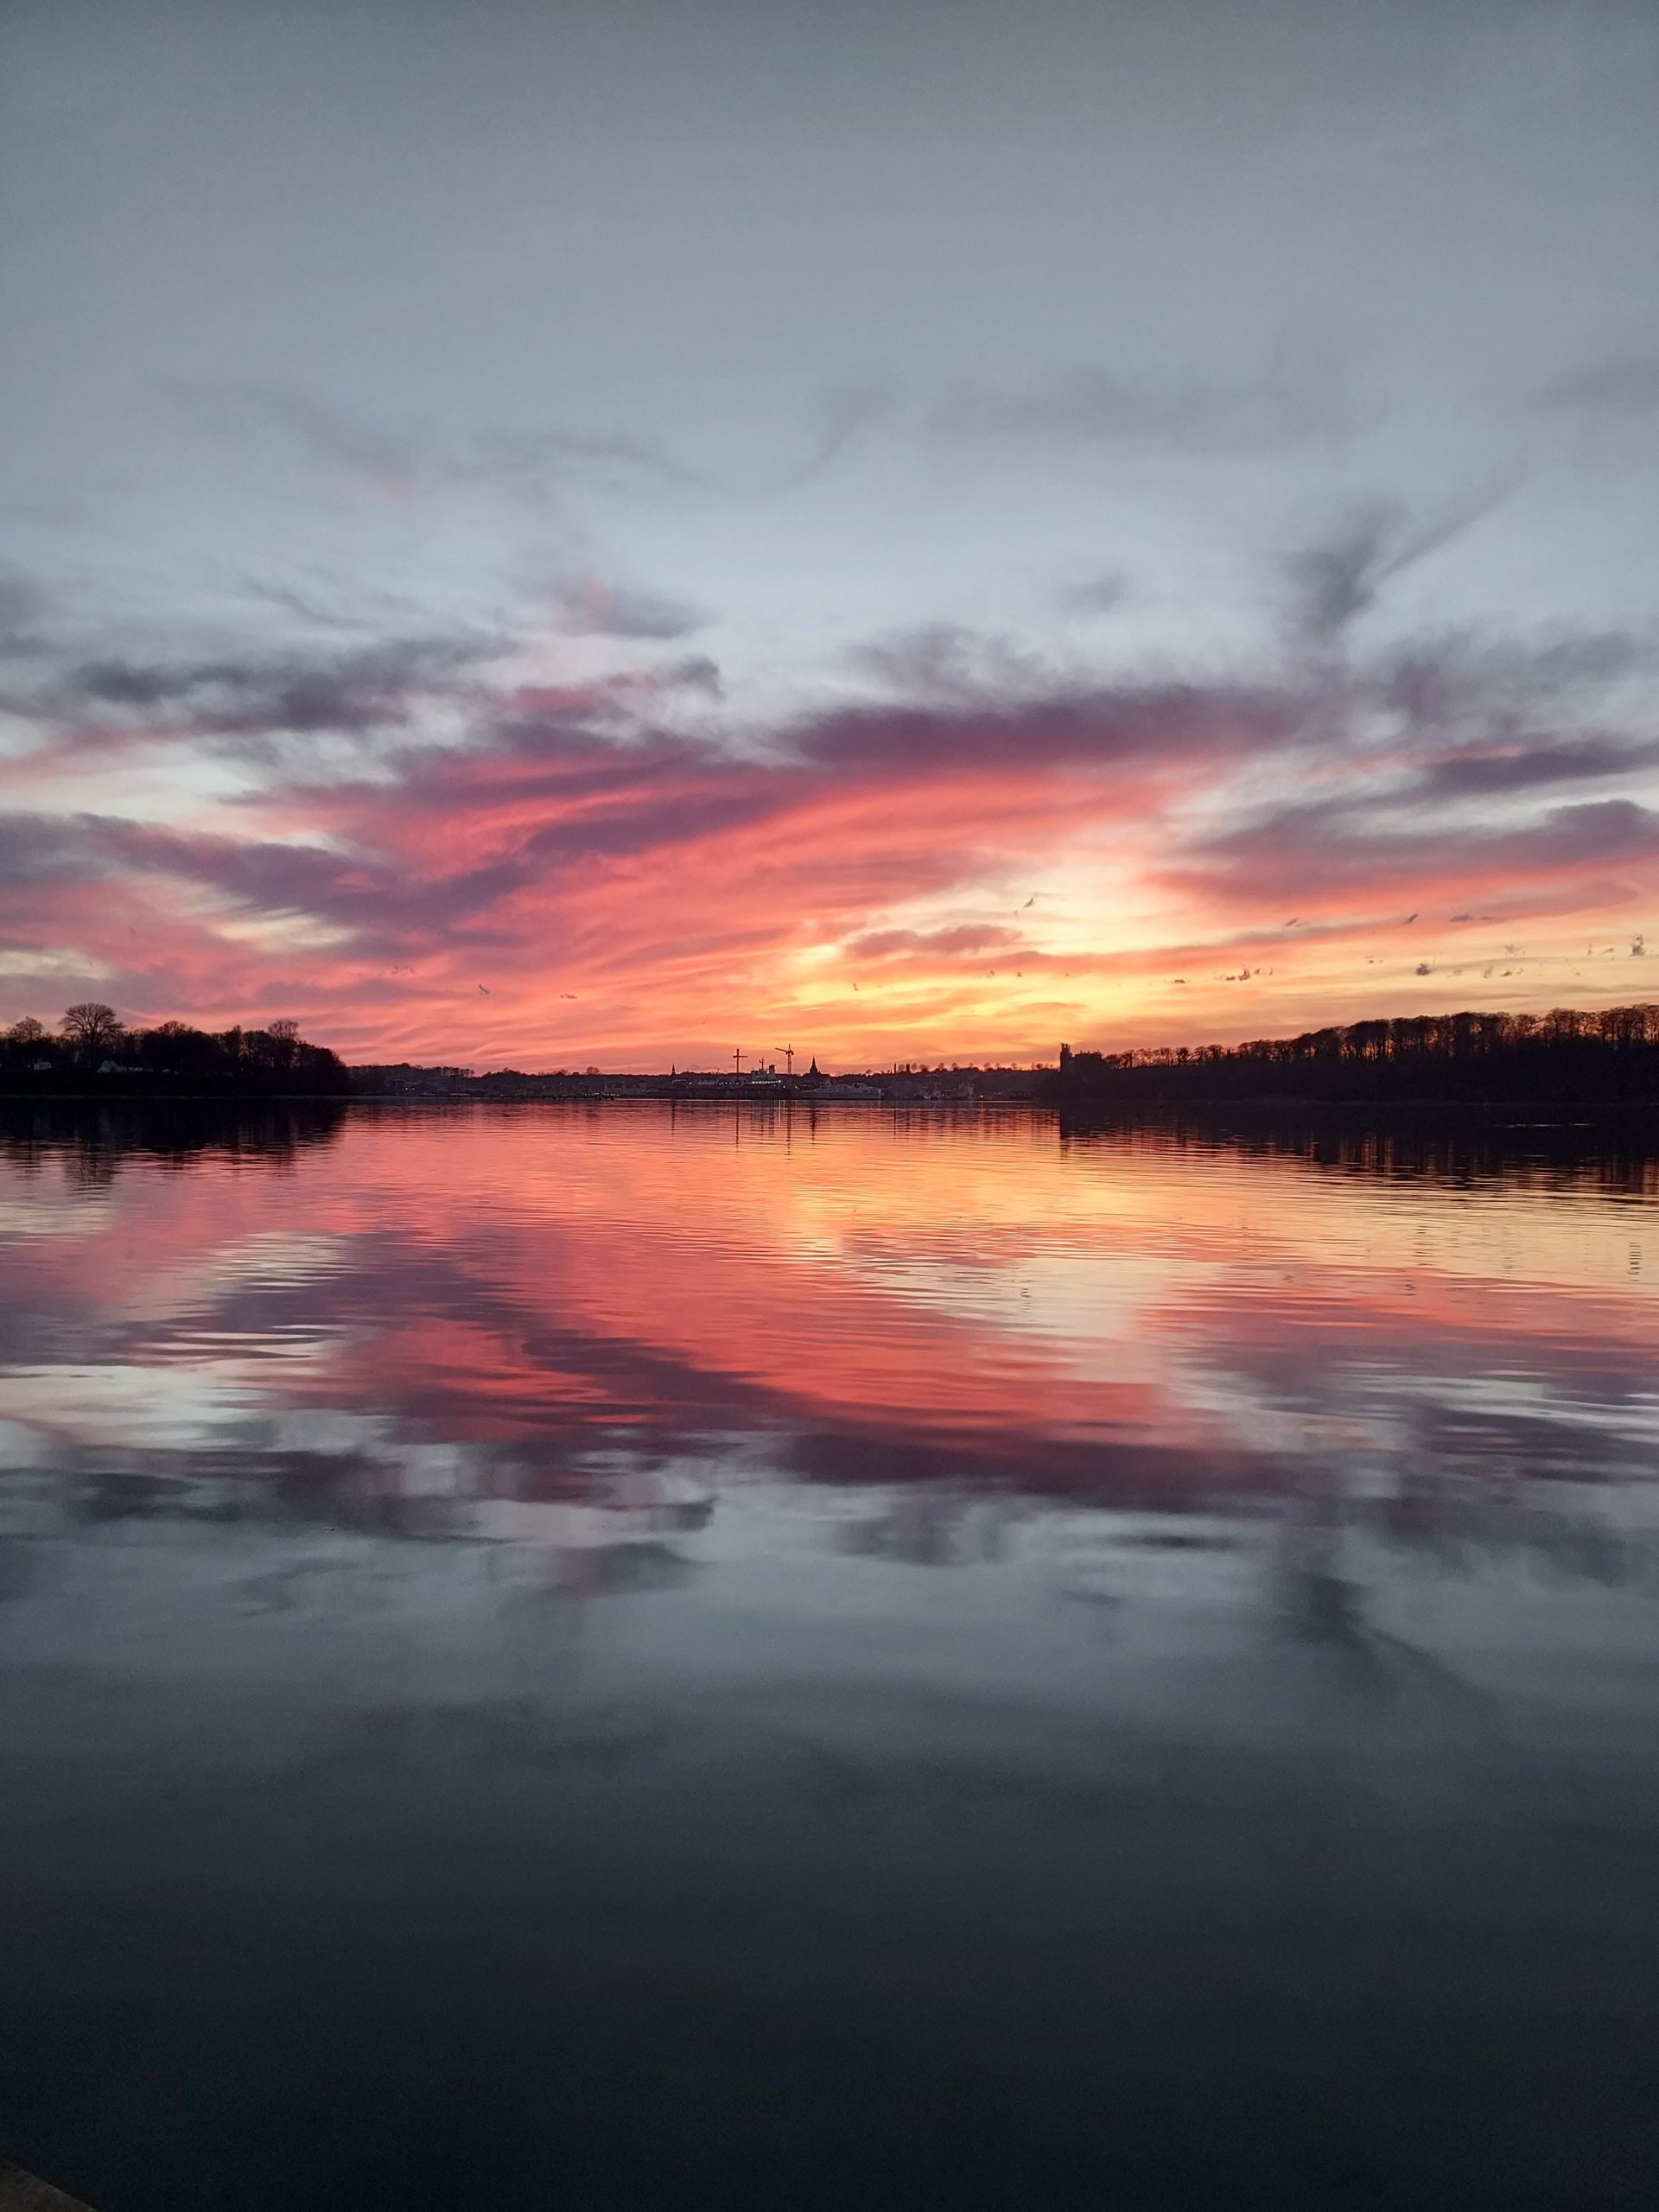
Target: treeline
column 93, row 1050
column 1563, row 1057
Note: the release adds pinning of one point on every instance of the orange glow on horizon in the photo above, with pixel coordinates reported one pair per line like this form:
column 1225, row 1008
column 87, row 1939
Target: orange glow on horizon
column 934, row 893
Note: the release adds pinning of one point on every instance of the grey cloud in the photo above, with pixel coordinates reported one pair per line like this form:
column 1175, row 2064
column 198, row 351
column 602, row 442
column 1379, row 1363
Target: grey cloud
column 325, row 433
column 944, row 657
column 697, row 673
column 22, row 616
column 315, row 610
column 1337, row 579
column 1625, row 387
column 590, row 608
column 842, row 414
column 1598, row 831
column 1095, row 595
column 1473, row 774
column 1506, row 684
column 532, row 463
column 1088, row 405
column 1330, row 847
column 1495, row 74
column 528, row 464
column 535, row 462
column 352, row 691
column 37, row 848
column 376, row 897
column 1080, row 725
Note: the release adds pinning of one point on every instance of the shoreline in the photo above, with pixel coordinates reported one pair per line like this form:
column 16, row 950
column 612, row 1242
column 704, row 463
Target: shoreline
column 1517, row 1112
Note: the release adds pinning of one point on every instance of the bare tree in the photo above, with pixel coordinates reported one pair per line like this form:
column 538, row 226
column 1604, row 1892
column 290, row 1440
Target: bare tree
column 28, row 1031
column 91, row 1027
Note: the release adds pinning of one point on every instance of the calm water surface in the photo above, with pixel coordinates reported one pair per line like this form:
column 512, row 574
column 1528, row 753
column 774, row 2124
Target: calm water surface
column 589, row 1658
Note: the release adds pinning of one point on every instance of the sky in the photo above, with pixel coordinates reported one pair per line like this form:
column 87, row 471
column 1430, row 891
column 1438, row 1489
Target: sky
column 566, row 535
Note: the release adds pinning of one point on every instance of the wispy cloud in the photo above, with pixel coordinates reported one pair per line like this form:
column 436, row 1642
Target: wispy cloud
column 1627, row 387
column 22, row 614
column 534, row 464
column 1477, row 774
column 1286, row 405
column 1342, row 855
column 963, row 939
column 402, row 459
column 588, row 606
column 1337, row 579
column 627, row 876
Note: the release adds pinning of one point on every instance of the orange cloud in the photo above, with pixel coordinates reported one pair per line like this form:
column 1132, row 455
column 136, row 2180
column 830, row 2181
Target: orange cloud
column 567, row 879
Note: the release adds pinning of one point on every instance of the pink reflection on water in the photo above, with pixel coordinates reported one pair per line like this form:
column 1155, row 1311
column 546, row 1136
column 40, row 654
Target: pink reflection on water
column 878, row 1297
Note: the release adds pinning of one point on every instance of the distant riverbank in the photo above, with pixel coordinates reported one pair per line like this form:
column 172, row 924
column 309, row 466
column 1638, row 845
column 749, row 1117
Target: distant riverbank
column 1091, row 1111
column 93, row 1053
column 1565, row 1059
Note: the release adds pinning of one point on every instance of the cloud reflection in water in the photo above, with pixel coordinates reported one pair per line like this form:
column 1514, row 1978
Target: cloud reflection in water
column 532, row 1637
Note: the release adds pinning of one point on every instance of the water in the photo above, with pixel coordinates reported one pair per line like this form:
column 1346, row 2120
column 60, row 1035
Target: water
column 619, row 1658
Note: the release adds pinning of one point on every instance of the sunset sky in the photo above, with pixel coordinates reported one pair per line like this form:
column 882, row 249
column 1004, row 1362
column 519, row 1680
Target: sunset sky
column 610, row 530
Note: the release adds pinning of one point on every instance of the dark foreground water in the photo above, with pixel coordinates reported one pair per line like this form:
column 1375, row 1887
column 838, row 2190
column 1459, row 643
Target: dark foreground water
column 570, row 1658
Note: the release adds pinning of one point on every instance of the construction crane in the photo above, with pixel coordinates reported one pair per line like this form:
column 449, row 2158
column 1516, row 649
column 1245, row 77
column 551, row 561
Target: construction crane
column 788, row 1052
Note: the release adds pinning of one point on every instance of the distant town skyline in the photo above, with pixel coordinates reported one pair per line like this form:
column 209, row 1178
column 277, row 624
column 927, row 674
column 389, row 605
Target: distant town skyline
column 579, row 535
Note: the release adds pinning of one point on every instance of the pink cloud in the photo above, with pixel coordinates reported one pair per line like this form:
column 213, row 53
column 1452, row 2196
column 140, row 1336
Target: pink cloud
column 576, row 880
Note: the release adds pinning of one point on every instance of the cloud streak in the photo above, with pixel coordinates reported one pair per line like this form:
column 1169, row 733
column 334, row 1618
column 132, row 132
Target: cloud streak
column 1284, row 406
column 495, row 867
column 1618, row 390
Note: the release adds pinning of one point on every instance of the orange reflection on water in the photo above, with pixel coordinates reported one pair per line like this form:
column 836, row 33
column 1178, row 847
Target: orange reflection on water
column 875, row 1294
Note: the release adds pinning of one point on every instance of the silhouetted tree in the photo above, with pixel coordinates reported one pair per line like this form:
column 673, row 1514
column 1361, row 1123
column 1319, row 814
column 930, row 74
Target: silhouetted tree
column 282, row 1044
column 90, row 1027
column 1563, row 1055
column 174, row 1048
column 172, row 1056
